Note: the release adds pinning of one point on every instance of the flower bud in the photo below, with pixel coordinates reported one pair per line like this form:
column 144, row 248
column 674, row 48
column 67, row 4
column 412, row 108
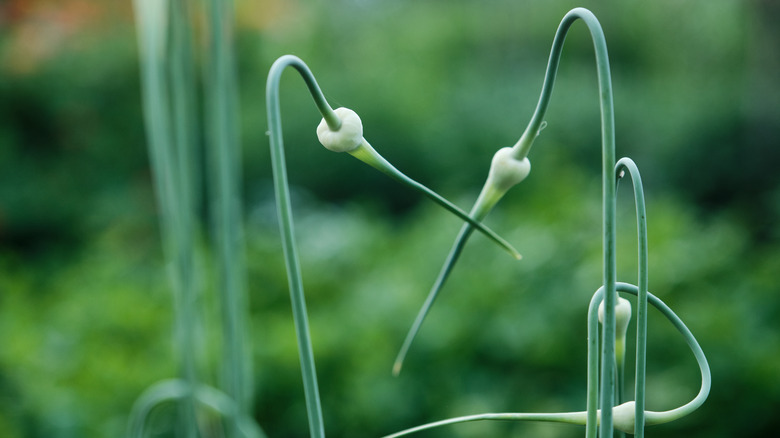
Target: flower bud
column 624, row 417
column 347, row 137
column 622, row 316
column 506, row 170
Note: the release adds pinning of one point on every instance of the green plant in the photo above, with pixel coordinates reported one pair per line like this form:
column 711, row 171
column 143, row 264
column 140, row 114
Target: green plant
column 509, row 167
column 341, row 130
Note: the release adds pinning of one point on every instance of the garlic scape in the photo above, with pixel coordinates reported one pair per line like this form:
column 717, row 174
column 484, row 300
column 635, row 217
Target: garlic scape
column 623, row 417
column 341, row 130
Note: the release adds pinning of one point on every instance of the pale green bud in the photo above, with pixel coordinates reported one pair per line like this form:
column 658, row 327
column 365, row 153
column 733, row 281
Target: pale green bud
column 622, row 316
column 506, row 170
column 348, row 137
column 624, row 417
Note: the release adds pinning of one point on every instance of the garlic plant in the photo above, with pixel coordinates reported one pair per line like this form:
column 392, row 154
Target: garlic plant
column 170, row 129
column 342, row 131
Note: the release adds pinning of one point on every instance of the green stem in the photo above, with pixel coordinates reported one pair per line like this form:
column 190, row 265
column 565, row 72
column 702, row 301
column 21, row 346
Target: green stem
column 564, row 417
column 225, row 166
column 592, row 397
column 608, row 188
column 173, row 390
column 168, row 150
column 653, row 418
column 650, row 417
column 284, row 210
column 477, row 213
column 626, row 164
column 489, row 198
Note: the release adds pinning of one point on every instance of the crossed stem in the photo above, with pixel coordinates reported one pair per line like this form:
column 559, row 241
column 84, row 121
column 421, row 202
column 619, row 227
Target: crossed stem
column 488, row 197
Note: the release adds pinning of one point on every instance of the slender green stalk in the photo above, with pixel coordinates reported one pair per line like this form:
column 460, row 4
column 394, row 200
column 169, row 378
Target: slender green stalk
column 225, row 158
column 623, row 165
column 608, row 191
column 168, row 151
column 653, row 418
column 563, row 417
column 365, row 153
column 625, row 414
column 489, row 196
column 174, row 390
column 284, row 210
column 592, row 398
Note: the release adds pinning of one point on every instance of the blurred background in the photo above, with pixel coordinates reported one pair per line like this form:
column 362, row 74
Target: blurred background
column 85, row 305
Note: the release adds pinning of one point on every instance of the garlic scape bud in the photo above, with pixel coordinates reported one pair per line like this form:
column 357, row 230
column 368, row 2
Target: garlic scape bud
column 349, row 135
column 622, row 318
column 505, row 172
column 349, row 138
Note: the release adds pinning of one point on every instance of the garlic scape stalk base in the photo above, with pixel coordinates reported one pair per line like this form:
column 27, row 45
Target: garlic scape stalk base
column 624, row 415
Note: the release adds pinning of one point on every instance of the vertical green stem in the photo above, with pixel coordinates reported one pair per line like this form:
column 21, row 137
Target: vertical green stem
column 608, row 186
column 168, row 150
column 225, row 157
column 592, row 399
column 284, row 210
column 641, row 315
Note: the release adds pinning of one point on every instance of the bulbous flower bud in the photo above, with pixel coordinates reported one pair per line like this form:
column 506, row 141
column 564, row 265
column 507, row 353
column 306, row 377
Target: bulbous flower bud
column 624, row 417
column 506, row 170
column 622, row 316
column 349, row 135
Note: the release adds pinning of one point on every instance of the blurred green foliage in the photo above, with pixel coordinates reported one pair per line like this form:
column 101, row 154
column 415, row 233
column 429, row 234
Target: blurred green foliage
column 85, row 319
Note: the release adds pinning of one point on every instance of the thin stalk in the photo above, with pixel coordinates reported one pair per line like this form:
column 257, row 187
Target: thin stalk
column 592, row 416
column 488, row 197
column 365, row 153
column 563, row 417
column 174, row 390
column 609, row 201
column 592, row 398
column 651, row 417
column 370, row 156
column 225, row 157
column 284, row 210
column 626, row 164
column 176, row 219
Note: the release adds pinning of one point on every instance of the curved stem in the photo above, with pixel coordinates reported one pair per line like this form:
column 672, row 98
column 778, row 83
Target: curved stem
column 488, row 198
column 284, row 210
column 177, row 389
column 653, row 418
column 626, row 164
column 608, row 193
column 592, row 417
column 564, row 417
column 365, row 153
column 592, row 398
